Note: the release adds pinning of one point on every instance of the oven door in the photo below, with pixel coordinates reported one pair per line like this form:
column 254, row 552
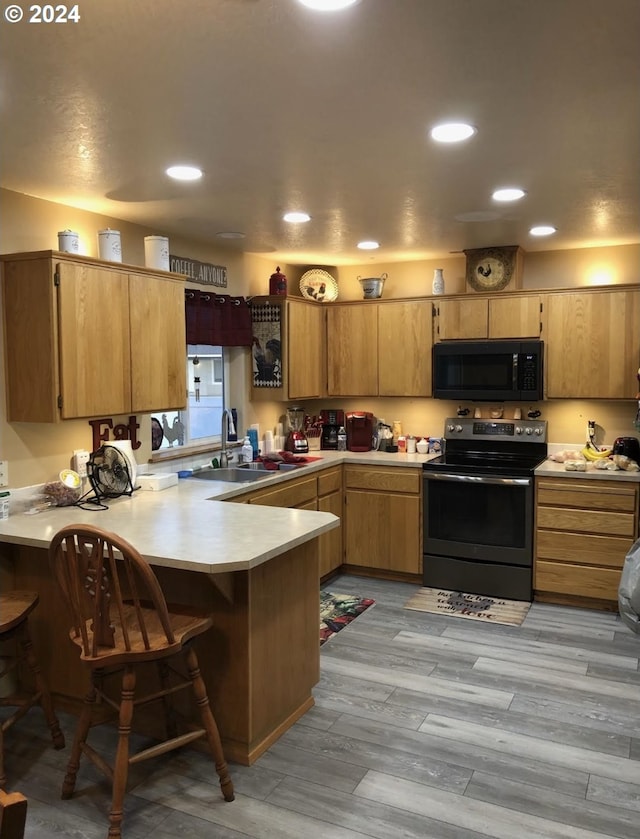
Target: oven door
column 478, row 533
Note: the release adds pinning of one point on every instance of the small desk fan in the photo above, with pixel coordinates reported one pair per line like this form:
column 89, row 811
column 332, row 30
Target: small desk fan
column 109, row 473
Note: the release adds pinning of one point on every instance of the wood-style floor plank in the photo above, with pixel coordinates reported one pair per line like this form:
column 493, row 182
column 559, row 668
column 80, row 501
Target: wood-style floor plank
column 425, row 727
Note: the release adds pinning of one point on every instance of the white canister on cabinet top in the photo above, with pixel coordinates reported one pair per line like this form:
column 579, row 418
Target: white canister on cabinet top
column 109, row 245
column 156, row 252
column 68, row 241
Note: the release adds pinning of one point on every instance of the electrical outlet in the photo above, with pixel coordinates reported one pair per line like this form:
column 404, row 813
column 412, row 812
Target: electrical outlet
column 4, row 473
column 80, row 459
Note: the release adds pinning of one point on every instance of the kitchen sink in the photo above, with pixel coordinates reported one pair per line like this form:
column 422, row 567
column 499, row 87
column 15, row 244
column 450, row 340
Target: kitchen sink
column 234, row 474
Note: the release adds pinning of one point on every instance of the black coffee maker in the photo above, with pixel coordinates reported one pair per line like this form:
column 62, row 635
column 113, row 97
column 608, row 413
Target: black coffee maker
column 331, row 422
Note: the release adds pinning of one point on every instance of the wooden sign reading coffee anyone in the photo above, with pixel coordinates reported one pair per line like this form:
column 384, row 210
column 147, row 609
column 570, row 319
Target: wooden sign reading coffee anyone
column 199, row 272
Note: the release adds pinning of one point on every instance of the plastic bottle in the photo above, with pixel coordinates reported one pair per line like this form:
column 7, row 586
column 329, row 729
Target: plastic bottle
column 247, row 451
column 342, row 439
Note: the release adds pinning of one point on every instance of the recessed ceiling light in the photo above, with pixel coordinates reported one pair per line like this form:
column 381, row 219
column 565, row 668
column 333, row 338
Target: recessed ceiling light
column 542, row 230
column 328, row 5
column 296, row 218
column 511, row 193
column 230, row 234
column 368, row 245
column 452, row 132
column 184, row 173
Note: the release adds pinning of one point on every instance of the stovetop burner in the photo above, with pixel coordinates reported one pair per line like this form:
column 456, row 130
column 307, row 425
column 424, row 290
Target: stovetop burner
column 481, row 447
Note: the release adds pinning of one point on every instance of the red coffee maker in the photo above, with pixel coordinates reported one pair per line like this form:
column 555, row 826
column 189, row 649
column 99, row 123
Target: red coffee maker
column 359, row 431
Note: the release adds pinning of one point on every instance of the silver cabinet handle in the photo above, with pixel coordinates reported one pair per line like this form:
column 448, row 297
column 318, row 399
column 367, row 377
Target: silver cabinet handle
column 477, row 479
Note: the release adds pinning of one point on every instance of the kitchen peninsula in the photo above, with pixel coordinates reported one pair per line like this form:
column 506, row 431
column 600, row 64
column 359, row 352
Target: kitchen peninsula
column 255, row 568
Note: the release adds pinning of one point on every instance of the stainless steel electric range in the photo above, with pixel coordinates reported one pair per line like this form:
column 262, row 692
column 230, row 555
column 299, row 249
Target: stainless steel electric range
column 478, row 507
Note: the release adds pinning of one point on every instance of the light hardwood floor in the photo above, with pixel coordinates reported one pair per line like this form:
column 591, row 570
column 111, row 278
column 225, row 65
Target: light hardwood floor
column 424, row 726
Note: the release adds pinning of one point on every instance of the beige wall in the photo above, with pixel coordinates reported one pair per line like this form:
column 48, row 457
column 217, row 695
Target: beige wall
column 36, row 453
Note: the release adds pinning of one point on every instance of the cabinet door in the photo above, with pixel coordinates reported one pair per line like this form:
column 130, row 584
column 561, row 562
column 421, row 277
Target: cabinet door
column 306, row 354
column 158, row 343
column 592, row 348
column 352, row 350
column 405, row 338
column 330, row 544
column 463, row 318
column 514, row 317
column 383, row 531
column 93, row 337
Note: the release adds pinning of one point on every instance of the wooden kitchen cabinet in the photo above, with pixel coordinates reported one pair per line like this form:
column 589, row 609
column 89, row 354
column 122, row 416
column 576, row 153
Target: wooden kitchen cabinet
column 319, row 491
column 85, row 338
column 584, row 529
column 405, row 338
column 352, row 349
column 331, row 500
column 303, row 343
column 383, row 519
column 516, row 316
column 380, row 349
column 593, row 344
column 306, row 349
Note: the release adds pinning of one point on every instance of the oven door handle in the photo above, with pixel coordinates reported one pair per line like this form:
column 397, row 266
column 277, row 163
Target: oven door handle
column 477, row 479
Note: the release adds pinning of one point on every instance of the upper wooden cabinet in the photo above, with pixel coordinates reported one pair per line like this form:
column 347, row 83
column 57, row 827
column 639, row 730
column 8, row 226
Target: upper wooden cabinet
column 405, row 338
column 85, row 338
column 593, row 344
column 352, row 349
column 516, row 316
column 303, row 341
column 306, row 355
column 380, row 349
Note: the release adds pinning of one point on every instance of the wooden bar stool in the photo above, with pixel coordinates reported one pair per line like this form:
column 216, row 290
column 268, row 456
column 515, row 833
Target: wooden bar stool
column 120, row 620
column 15, row 608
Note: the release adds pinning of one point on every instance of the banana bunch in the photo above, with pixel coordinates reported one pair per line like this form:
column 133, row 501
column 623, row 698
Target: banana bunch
column 590, row 452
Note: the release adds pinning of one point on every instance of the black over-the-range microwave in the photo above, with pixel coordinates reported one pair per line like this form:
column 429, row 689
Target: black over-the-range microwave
column 490, row 370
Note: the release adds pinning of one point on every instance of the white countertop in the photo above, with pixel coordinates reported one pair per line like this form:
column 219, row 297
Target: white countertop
column 189, row 526
column 552, row 469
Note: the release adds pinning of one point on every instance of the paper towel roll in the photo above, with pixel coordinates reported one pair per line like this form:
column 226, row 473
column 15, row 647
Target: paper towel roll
column 109, row 245
column 156, row 252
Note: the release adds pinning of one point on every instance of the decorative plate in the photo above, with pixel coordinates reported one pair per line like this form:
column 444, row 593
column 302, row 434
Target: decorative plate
column 319, row 285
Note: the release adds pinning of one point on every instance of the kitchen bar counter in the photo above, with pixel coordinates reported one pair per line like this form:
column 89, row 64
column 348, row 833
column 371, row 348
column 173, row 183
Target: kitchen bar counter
column 254, row 568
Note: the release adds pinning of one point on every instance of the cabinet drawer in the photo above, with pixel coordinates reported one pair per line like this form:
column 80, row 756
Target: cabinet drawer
column 582, row 548
column 592, row 495
column 586, row 521
column 330, row 481
column 577, row 580
column 292, row 495
column 390, row 478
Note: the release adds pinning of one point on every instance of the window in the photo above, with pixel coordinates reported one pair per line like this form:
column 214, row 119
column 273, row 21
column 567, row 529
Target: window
column 200, row 422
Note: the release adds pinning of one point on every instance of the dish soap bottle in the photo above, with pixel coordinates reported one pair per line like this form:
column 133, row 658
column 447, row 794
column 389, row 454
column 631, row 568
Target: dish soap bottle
column 246, row 453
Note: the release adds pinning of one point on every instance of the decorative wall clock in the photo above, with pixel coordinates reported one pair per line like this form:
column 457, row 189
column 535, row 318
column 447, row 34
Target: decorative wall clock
column 494, row 269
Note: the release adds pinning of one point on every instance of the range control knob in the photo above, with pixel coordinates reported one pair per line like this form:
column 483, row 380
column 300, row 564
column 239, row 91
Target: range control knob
column 528, row 430
column 518, row 429
column 458, row 428
column 451, row 428
column 538, row 431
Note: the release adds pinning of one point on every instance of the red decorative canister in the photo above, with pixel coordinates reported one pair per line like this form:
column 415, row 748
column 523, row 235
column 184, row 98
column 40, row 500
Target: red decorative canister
column 277, row 283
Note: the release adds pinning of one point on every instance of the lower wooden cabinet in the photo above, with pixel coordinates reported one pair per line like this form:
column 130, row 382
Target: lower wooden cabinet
column 331, row 500
column 584, row 529
column 318, row 491
column 383, row 518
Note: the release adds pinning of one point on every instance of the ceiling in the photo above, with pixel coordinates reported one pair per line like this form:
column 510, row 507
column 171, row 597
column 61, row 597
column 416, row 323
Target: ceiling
column 289, row 109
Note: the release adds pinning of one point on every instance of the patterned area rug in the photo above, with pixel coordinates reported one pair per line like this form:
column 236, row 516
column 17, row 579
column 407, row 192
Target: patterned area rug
column 473, row 606
column 338, row 610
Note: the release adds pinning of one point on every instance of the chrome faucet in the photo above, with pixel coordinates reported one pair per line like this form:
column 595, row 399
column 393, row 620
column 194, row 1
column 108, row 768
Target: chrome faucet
column 225, row 457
